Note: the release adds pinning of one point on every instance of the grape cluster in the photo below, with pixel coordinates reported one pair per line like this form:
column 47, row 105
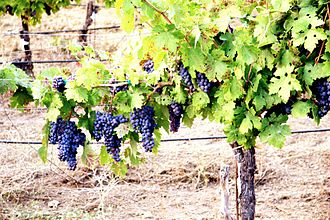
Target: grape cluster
column 68, row 137
column 321, row 90
column 48, row 9
column 148, row 66
column 143, row 121
column 283, row 108
column 203, row 82
column 9, row 9
column 186, row 77
column 116, row 89
column 104, row 126
column 176, row 111
column 59, row 84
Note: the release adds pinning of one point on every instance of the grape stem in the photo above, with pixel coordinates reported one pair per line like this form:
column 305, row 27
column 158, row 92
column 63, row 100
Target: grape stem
column 160, row 12
column 159, row 85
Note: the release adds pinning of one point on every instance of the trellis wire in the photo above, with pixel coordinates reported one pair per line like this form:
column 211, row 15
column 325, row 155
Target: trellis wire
column 61, row 31
column 173, row 139
column 30, row 145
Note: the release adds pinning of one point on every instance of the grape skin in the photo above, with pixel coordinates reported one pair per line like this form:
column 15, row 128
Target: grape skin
column 176, row 111
column 321, row 90
column 186, row 77
column 143, row 121
column 203, row 82
column 59, row 84
column 148, row 66
column 68, row 137
column 104, row 126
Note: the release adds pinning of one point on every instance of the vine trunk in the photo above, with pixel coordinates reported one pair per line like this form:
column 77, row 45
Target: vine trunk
column 246, row 167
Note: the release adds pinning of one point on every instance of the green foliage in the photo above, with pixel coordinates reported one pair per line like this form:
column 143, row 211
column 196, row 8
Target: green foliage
column 32, row 11
column 255, row 55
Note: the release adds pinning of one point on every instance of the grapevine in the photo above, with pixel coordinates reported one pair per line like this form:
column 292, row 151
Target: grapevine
column 269, row 59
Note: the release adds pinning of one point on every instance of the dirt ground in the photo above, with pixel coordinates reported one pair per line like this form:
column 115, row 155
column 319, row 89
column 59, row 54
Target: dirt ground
column 181, row 182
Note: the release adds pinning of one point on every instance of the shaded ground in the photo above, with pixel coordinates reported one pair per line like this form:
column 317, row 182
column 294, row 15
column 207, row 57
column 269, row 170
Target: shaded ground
column 180, row 183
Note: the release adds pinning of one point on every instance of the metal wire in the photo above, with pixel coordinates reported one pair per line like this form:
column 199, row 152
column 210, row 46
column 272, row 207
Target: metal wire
column 174, row 139
column 30, row 145
column 61, row 31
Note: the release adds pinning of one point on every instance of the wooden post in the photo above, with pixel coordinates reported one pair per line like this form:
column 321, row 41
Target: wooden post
column 224, row 192
column 24, row 35
column 91, row 9
column 246, row 167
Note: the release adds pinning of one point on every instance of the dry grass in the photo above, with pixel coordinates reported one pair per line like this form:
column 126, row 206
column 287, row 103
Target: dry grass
column 180, row 183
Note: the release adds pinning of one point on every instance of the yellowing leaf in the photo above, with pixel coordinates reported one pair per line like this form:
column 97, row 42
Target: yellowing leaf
column 312, row 38
column 245, row 126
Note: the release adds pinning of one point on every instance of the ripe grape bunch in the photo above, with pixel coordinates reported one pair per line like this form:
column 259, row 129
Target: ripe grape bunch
column 68, row 137
column 104, row 126
column 59, row 84
column 186, row 77
column 143, row 121
column 203, row 82
column 321, row 90
column 117, row 88
column 148, row 66
column 176, row 111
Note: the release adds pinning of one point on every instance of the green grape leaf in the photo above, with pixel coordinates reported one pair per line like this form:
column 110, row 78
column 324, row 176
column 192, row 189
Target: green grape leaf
column 167, row 40
column 245, row 126
column 281, row 6
column 20, row 98
column 259, row 102
column 312, row 38
column 220, row 69
column 104, row 156
column 247, row 54
column 42, row 152
column 88, row 156
column 77, row 94
column 53, row 110
column 200, row 100
column 136, row 100
column 301, row 109
column 275, row 134
column 187, row 121
column 286, row 83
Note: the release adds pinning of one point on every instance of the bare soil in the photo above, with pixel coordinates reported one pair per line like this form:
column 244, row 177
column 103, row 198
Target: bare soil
column 181, row 182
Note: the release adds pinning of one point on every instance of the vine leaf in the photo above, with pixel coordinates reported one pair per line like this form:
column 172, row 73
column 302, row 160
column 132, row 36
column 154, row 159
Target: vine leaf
column 312, row 38
column 282, row 6
column 245, row 126
column 200, row 100
column 53, row 110
column 104, row 156
column 285, row 83
column 136, row 100
column 275, row 134
column 167, row 40
column 77, row 94
column 301, row 109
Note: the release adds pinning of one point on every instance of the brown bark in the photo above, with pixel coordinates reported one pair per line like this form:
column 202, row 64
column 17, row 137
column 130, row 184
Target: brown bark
column 246, row 169
column 24, row 35
column 91, row 8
